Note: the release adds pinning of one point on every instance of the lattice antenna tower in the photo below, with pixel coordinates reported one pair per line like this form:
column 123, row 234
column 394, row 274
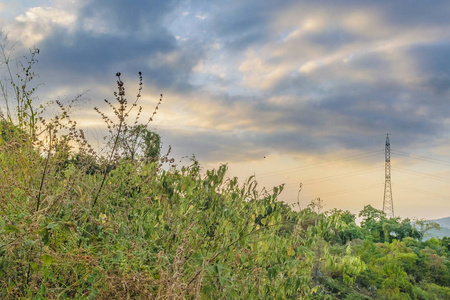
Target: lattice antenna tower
column 388, row 204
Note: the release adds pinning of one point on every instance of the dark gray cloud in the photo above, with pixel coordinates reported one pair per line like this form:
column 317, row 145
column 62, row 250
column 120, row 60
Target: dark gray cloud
column 416, row 14
column 434, row 66
column 127, row 17
column 239, row 24
column 361, row 68
column 112, row 36
column 214, row 146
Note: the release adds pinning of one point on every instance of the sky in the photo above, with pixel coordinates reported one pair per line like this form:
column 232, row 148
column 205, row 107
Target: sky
column 288, row 91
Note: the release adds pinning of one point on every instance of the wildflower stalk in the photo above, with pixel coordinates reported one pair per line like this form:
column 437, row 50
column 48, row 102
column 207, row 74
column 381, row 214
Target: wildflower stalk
column 45, row 170
column 122, row 102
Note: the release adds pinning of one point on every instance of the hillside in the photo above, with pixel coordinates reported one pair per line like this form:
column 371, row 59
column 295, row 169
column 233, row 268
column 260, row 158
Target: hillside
column 151, row 232
column 443, row 232
column 444, row 222
column 130, row 223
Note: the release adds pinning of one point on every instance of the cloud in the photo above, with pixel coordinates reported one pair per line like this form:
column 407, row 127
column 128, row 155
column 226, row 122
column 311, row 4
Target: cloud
column 290, row 77
column 433, row 65
column 211, row 146
column 261, row 74
column 100, row 38
column 39, row 22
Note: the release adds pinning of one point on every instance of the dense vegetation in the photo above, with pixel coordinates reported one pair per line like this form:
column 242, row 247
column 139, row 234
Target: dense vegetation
column 130, row 223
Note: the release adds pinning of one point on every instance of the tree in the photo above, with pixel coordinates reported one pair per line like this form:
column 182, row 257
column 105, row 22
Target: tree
column 140, row 143
column 371, row 222
column 350, row 230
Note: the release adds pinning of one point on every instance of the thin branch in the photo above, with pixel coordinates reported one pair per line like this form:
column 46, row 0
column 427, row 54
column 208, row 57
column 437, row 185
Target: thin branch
column 45, row 170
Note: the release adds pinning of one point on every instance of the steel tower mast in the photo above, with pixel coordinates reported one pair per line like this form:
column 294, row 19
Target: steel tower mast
column 388, row 204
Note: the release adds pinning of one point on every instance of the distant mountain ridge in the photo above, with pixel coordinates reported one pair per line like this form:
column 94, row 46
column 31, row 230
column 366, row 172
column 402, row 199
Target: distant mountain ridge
column 445, row 229
column 444, row 222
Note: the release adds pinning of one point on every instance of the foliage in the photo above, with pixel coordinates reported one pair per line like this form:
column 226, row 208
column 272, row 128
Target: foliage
column 382, row 229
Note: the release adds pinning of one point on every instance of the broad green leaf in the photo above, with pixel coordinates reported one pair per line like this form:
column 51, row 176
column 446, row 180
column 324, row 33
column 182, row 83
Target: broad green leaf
column 30, row 242
column 11, row 228
column 47, row 259
column 51, row 225
column 223, row 279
